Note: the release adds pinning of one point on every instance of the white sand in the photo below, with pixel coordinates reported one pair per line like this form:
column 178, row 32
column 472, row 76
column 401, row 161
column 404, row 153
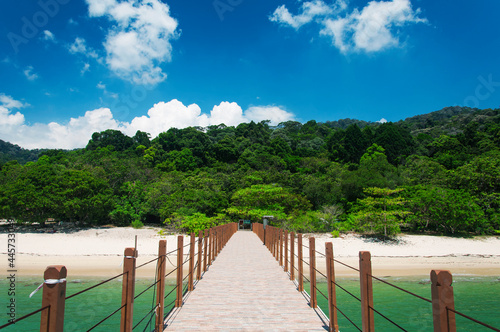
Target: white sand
column 99, row 252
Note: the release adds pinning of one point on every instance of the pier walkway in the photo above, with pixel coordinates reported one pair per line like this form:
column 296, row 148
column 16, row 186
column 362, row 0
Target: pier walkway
column 246, row 289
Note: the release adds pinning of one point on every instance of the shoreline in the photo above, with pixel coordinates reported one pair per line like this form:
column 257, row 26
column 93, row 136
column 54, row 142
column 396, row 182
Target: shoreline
column 98, row 252
column 108, row 266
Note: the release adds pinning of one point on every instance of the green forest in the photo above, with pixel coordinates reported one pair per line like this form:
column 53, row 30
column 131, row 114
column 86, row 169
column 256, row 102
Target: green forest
column 437, row 173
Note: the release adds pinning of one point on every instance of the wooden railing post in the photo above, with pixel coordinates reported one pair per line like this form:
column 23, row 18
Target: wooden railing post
column 312, row 271
column 216, row 242
column 180, row 255
column 332, row 295
column 210, row 246
column 128, row 288
column 286, row 251
column 269, row 235
column 160, row 290
column 277, row 244
column 219, row 239
column 54, row 295
column 191, row 263
column 300, row 263
column 281, row 246
column 365, row 279
column 205, row 251
column 200, row 252
column 292, row 256
column 264, row 234
column 442, row 298
column 271, row 240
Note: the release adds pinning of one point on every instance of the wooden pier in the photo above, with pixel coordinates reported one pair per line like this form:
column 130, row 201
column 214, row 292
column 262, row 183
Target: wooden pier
column 245, row 281
column 246, row 289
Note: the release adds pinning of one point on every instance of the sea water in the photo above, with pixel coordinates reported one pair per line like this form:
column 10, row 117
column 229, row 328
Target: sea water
column 83, row 311
column 475, row 296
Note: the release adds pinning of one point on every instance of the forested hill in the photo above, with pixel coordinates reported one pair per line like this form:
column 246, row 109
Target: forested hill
column 450, row 120
column 10, row 151
column 438, row 172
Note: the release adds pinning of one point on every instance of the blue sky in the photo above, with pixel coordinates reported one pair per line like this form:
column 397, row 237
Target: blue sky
column 72, row 67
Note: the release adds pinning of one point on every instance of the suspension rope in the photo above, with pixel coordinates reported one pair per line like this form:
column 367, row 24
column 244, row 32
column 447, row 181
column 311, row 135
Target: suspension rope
column 147, row 263
column 355, row 269
column 401, row 289
column 24, row 317
column 387, row 319
column 99, row 284
column 101, row 321
column 345, row 290
column 472, row 319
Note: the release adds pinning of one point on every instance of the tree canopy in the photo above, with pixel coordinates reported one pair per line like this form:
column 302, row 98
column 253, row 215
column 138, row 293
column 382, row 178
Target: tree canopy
column 437, row 172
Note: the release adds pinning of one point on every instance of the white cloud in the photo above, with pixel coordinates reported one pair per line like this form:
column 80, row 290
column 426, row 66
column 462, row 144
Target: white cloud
column 75, row 133
column 101, row 86
column 9, row 102
column 383, row 120
column 175, row 114
column 371, row 29
column 161, row 117
column 86, row 68
column 28, row 72
column 79, row 46
column 273, row 113
column 7, row 119
column 309, row 10
column 48, row 36
column 140, row 40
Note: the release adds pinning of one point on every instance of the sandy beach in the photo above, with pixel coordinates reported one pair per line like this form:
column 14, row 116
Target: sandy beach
column 99, row 252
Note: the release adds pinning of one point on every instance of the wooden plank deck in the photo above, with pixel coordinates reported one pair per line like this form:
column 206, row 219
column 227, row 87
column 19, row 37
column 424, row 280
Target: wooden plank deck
column 246, row 290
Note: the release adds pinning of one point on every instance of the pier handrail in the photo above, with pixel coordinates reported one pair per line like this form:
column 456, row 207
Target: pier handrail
column 443, row 310
column 215, row 238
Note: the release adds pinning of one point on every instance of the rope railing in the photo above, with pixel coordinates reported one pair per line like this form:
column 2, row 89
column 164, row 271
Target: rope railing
column 401, row 289
column 146, row 289
column 387, row 319
column 24, row 317
column 149, row 262
column 94, row 286
column 210, row 243
column 277, row 242
column 348, row 266
column 106, row 318
column 345, row 290
column 143, row 318
column 170, row 293
column 472, row 319
column 174, row 270
column 345, row 316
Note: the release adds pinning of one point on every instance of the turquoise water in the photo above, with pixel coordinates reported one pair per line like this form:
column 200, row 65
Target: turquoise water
column 478, row 297
column 82, row 312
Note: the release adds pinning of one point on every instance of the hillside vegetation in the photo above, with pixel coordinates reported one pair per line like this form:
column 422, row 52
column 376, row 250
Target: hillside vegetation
column 437, row 173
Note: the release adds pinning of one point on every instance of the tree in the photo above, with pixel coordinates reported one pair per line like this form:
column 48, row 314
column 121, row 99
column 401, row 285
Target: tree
column 142, row 138
column 396, row 141
column 381, row 212
column 111, row 137
column 445, row 210
column 260, row 200
column 179, row 161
